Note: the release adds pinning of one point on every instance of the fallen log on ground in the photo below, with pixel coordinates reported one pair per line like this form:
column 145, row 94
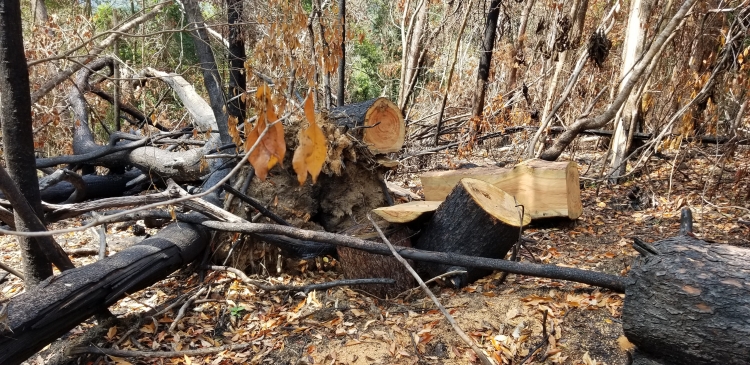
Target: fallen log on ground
column 546, row 189
column 688, row 302
column 44, row 313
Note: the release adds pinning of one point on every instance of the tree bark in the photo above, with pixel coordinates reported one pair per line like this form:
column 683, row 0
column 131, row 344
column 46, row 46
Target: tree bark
column 485, row 59
column 211, row 77
column 476, row 219
column 342, row 62
column 42, row 314
column 18, row 146
column 237, row 79
column 640, row 11
column 688, row 303
column 39, row 9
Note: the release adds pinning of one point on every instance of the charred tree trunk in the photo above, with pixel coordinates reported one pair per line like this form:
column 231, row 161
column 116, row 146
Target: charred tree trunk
column 476, row 219
column 211, row 78
column 237, row 80
column 18, row 139
column 42, row 314
column 357, row 264
column 485, row 60
column 688, row 302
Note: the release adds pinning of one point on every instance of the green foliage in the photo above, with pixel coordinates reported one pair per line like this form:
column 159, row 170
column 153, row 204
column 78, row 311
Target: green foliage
column 365, row 82
column 236, row 312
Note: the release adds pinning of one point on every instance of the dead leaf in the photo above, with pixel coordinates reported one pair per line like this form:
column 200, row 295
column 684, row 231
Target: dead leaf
column 312, row 150
column 272, row 147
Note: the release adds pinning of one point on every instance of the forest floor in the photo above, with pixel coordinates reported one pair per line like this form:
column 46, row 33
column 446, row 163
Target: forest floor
column 343, row 326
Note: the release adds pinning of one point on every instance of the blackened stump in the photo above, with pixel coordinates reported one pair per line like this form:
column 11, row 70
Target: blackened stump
column 475, row 219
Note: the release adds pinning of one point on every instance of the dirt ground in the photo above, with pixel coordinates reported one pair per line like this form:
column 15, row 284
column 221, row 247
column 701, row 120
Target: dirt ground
column 341, row 326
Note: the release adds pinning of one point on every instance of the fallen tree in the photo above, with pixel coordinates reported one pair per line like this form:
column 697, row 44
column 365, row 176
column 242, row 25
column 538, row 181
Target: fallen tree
column 42, row 314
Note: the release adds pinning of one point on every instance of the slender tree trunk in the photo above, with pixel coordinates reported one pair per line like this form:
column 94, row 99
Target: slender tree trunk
column 342, row 62
column 116, row 79
column 237, row 79
column 325, row 58
column 518, row 57
column 485, row 60
column 39, row 9
column 412, row 46
column 578, row 14
column 211, row 77
column 450, row 74
column 640, row 11
column 18, row 140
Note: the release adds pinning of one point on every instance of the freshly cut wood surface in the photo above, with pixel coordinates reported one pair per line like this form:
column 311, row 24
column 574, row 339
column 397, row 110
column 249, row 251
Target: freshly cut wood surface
column 407, row 212
column 546, row 189
column 377, row 122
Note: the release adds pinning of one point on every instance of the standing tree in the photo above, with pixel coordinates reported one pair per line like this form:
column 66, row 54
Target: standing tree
column 488, row 45
column 18, row 140
column 237, row 79
column 342, row 62
column 627, row 117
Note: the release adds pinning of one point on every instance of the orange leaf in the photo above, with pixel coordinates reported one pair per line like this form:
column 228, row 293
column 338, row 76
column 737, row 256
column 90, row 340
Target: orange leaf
column 272, row 147
column 312, row 149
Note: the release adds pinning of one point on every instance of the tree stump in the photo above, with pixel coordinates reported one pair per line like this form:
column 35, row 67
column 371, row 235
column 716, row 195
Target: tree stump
column 688, row 302
column 377, row 122
column 475, row 219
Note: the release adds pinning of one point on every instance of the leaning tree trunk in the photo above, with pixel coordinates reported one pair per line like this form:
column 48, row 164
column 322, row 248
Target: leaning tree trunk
column 54, row 307
column 18, row 139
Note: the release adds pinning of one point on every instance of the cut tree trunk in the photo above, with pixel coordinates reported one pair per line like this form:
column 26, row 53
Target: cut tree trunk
column 377, row 122
column 357, row 264
column 407, row 212
column 689, row 304
column 476, row 219
column 546, row 189
column 42, row 314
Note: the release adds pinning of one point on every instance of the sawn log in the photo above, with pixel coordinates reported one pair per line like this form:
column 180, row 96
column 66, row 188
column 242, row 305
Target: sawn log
column 546, row 189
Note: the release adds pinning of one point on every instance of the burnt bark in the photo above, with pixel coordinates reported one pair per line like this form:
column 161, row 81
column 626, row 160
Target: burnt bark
column 689, row 303
column 55, row 306
column 25, row 214
column 488, row 45
column 237, row 80
column 463, row 225
column 18, row 139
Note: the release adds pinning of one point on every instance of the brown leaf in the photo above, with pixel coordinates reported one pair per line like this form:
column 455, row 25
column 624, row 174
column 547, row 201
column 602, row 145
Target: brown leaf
column 312, row 150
